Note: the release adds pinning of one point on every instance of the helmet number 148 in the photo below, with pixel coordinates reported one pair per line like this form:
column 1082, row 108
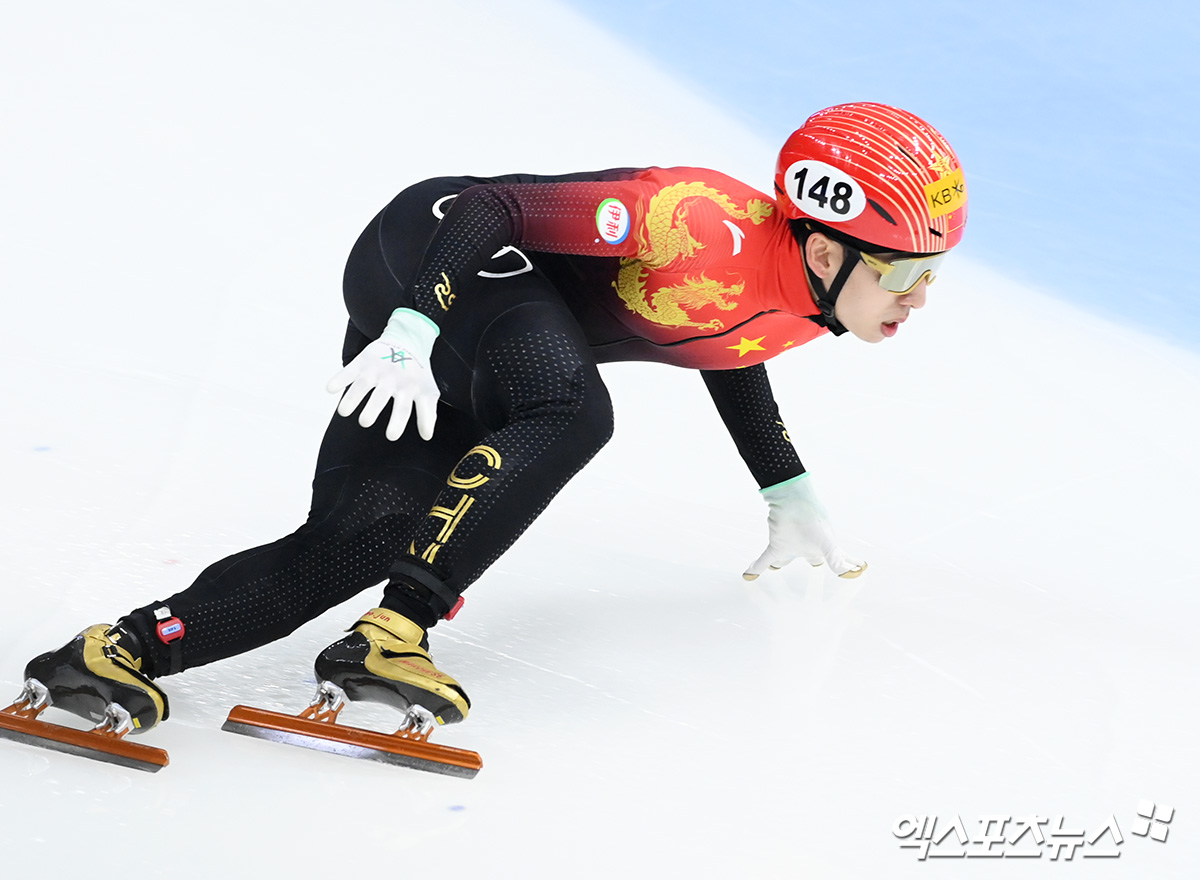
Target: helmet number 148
column 840, row 203
column 824, row 192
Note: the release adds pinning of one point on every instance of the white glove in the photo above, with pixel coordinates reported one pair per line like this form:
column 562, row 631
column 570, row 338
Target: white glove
column 799, row 526
column 394, row 367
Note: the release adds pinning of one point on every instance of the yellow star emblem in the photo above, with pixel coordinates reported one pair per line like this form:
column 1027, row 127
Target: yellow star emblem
column 788, row 344
column 942, row 165
column 747, row 345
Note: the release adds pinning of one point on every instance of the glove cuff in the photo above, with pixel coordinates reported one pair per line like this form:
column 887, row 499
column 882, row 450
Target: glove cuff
column 786, row 487
column 795, row 494
column 407, row 328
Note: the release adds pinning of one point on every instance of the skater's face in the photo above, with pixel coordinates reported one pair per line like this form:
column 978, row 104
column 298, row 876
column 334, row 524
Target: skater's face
column 864, row 307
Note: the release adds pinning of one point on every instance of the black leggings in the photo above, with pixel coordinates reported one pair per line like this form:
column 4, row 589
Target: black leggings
column 522, row 410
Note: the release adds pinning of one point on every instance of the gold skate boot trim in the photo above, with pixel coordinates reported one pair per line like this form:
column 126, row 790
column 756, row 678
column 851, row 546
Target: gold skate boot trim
column 107, row 659
column 394, row 624
column 116, row 641
column 396, row 654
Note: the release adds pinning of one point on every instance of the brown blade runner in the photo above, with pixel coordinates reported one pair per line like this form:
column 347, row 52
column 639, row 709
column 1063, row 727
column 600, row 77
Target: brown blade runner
column 19, row 722
column 401, row 748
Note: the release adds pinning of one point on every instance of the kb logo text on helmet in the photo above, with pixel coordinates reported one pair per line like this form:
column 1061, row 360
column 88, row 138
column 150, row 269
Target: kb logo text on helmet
column 946, row 195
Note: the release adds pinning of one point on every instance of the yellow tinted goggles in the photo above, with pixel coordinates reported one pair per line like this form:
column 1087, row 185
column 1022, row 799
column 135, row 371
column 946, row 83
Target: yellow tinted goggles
column 902, row 275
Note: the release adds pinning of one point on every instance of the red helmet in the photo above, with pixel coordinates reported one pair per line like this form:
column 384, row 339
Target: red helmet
column 876, row 174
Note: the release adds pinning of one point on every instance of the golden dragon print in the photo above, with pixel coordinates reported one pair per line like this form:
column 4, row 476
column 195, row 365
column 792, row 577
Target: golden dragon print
column 667, row 238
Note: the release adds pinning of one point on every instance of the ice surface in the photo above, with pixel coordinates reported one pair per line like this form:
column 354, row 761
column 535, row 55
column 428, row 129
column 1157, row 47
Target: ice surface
column 181, row 185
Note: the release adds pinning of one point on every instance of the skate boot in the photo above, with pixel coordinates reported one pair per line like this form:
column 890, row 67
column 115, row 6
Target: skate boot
column 94, row 677
column 385, row 659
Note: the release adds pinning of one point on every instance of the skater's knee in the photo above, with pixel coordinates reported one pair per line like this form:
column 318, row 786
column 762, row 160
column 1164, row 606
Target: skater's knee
column 535, row 364
column 592, row 424
column 577, row 405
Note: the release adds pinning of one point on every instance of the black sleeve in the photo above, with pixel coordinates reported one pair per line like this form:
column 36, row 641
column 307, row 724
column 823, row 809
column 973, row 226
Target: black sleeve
column 747, row 406
column 555, row 214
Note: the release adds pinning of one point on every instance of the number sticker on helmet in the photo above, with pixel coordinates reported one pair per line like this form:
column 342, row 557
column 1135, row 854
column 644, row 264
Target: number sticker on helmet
column 823, row 192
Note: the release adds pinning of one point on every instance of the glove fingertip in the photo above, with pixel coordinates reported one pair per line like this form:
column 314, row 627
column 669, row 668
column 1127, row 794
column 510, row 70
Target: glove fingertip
column 749, row 576
column 395, row 426
column 759, row 565
column 401, row 413
column 426, row 407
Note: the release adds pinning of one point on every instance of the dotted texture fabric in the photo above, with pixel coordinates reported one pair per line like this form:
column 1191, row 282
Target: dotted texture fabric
column 747, row 406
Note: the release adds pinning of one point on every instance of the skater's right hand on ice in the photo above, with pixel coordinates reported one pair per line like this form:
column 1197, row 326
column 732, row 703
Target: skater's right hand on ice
column 799, row 527
column 394, row 367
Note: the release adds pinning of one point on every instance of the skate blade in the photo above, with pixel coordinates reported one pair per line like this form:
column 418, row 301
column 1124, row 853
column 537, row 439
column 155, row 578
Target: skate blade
column 84, row 743
column 353, row 742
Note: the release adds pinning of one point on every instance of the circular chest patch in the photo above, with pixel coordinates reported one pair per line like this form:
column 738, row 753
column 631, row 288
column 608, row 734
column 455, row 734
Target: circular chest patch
column 612, row 221
column 823, row 192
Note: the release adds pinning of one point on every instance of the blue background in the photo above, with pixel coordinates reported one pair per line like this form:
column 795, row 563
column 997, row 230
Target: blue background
column 1076, row 123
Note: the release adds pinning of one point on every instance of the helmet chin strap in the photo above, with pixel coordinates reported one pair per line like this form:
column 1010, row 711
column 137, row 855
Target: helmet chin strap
column 827, row 298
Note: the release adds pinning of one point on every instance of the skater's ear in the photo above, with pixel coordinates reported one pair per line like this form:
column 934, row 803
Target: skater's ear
column 823, row 255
